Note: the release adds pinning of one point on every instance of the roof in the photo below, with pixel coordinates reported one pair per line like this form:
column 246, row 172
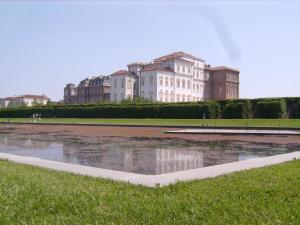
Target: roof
column 176, row 55
column 70, row 85
column 123, row 73
column 136, row 63
column 120, row 72
column 219, row 68
column 155, row 66
column 27, row 96
column 34, row 96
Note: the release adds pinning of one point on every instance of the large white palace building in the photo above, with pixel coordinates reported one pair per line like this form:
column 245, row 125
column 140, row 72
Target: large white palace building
column 177, row 77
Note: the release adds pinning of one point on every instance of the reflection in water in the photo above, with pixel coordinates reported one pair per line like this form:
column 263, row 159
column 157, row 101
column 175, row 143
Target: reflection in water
column 137, row 156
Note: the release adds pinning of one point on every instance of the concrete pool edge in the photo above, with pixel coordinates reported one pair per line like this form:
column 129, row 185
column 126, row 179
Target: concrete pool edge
column 235, row 131
column 151, row 126
column 154, row 180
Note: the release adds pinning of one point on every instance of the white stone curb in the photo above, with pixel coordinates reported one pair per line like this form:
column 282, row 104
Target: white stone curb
column 154, row 180
column 234, row 131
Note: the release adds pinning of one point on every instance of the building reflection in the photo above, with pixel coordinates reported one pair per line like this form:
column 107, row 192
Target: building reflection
column 148, row 161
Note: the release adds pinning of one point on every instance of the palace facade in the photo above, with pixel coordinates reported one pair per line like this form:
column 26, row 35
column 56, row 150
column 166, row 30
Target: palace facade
column 177, row 77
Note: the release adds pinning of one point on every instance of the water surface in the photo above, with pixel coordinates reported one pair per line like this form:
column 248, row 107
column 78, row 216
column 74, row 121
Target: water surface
column 137, row 156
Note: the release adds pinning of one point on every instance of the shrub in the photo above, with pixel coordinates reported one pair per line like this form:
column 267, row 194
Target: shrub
column 271, row 109
column 237, row 110
column 174, row 110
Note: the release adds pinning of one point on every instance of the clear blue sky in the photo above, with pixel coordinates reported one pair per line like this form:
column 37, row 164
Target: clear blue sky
column 44, row 45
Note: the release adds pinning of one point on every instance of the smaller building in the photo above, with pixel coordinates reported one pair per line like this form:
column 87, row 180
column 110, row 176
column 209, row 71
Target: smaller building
column 23, row 100
column 3, row 102
column 89, row 90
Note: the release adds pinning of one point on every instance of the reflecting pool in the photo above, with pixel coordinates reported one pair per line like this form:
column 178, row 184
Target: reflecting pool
column 147, row 156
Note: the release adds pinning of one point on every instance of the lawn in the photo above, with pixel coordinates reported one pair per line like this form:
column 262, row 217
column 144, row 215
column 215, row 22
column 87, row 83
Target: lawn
column 31, row 195
column 175, row 122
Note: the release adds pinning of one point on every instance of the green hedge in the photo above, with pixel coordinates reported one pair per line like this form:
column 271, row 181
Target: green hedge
column 191, row 110
column 237, row 110
column 271, row 109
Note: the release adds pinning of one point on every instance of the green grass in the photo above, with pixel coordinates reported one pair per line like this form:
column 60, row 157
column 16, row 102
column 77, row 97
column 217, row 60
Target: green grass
column 31, row 195
column 178, row 122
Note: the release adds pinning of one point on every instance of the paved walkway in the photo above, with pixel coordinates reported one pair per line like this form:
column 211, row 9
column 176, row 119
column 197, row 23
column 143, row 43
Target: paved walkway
column 234, row 131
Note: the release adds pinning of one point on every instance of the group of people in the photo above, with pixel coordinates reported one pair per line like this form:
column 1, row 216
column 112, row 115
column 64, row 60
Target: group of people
column 36, row 117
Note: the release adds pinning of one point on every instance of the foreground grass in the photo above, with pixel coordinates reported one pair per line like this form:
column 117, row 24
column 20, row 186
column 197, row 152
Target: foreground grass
column 177, row 122
column 31, row 195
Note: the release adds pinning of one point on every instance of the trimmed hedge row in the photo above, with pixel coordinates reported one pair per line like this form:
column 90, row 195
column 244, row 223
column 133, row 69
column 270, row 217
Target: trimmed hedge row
column 271, row 109
column 229, row 109
column 210, row 109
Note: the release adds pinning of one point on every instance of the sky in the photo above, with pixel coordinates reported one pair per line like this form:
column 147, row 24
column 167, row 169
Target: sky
column 46, row 44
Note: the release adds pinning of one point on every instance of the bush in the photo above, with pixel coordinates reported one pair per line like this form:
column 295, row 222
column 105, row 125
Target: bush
column 237, row 110
column 271, row 109
column 174, row 110
column 192, row 111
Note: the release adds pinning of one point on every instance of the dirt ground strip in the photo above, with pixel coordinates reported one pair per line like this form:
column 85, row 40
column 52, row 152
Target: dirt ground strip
column 141, row 132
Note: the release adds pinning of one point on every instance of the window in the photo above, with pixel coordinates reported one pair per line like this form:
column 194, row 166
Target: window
column 129, row 84
column 171, row 81
column 167, row 96
column 161, row 81
column 160, row 96
column 183, row 83
column 178, row 83
column 178, row 98
column 183, row 69
column 189, row 84
column 167, row 81
column 178, row 68
column 197, row 87
column 189, row 69
column 122, row 85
